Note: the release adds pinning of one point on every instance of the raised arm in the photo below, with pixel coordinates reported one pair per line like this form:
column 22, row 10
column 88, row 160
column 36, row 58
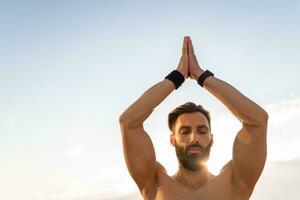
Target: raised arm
column 249, row 149
column 137, row 146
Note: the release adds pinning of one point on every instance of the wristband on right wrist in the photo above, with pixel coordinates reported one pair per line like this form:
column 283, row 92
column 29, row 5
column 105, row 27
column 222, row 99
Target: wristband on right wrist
column 204, row 76
column 176, row 77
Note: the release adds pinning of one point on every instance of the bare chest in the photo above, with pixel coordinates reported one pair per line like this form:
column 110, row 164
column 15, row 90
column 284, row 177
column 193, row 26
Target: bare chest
column 182, row 193
column 220, row 188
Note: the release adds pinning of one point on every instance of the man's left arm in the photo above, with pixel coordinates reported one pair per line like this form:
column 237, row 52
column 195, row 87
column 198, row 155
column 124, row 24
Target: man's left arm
column 250, row 148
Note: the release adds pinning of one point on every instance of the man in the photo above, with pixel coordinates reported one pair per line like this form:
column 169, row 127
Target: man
column 192, row 138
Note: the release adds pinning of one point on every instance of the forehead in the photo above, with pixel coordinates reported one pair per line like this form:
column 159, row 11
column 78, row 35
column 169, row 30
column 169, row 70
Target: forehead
column 191, row 119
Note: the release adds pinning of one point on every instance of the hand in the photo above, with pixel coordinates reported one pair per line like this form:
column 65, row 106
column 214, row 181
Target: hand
column 194, row 69
column 183, row 66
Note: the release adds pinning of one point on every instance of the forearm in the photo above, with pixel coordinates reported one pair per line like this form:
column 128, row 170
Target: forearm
column 242, row 107
column 139, row 111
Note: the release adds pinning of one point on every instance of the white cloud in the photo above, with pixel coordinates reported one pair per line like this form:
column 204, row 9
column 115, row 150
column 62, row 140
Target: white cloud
column 87, row 189
column 283, row 111
column 283, row 130
column 75, row 151
column 7, row 124
column 280, row 180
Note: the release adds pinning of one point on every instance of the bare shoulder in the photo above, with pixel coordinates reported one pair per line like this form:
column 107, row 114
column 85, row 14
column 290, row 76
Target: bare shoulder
column 160, row 167
column 239, row 189
column 227, row 167
column 149, row 192
column 223, row 179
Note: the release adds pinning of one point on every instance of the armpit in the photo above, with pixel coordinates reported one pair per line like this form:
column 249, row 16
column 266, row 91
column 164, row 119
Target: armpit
column 159, row 167
column 226, row 167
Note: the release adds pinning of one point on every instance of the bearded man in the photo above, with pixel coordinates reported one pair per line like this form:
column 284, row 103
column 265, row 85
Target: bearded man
column 191, row 136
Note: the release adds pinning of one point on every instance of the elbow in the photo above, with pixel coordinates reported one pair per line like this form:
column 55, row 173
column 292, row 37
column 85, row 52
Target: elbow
column 263, row 118
column 266, row 116
column 123, row 122
column 133, row 119
column 123, row 119
column 258, row 119
column 126, row 121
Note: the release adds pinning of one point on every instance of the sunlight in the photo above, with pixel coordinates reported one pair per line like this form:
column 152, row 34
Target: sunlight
column 215, row 165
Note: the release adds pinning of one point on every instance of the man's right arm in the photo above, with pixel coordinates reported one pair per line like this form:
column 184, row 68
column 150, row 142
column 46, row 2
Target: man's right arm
column 137, row 146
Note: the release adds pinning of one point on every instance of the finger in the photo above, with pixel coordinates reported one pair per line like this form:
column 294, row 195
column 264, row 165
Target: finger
column 185, row 46
column 190, row 47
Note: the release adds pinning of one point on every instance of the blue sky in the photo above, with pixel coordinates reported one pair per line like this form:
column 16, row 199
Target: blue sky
column 69, row 68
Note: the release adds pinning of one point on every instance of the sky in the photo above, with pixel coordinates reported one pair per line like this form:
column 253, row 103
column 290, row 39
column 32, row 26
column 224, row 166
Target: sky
column 68, row 69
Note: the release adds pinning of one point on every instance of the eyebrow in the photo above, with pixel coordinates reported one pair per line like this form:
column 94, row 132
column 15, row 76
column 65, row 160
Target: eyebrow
column 188, row 127
column 203, row 126
column 184, row 127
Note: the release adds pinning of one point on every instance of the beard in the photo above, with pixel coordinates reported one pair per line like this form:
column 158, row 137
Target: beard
column 193, row 161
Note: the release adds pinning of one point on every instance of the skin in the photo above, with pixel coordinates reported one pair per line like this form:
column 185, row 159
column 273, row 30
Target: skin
column 237, row 178
column 192, row 130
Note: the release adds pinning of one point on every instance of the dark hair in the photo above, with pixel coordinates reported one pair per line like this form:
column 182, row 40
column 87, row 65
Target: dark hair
column 188, row 107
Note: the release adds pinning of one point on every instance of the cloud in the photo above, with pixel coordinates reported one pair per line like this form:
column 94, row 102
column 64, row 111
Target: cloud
column 280, row 180
column 88, row 190
column 7, row 124
column 283, row 130
column 75, row 151
column 283, row 111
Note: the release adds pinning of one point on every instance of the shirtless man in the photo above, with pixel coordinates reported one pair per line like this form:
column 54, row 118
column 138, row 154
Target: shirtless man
column 191, row 136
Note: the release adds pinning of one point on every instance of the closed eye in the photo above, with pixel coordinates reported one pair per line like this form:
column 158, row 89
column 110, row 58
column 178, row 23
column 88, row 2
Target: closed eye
column 184, row 130
column 202, row 132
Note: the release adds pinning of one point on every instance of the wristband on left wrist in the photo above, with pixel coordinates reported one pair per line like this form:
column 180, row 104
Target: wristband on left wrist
column 203, row 77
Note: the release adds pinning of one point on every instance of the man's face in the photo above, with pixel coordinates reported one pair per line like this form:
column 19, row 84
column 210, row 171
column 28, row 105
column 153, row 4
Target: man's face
column 192, row 140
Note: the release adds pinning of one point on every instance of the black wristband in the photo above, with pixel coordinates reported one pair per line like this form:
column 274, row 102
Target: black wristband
column 204, row 76
column 176, row 77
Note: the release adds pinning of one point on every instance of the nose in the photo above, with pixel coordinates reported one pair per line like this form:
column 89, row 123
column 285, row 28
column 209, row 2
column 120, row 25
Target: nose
column 194, row 138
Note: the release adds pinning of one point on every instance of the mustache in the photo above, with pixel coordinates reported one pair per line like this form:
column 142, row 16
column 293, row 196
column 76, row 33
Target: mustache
column 194, row 145
column 199, row 145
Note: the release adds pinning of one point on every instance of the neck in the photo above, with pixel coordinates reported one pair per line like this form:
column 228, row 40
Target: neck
column 193, row 179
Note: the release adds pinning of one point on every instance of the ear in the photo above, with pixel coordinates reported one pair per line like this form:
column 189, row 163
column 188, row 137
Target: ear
column 212, row 140
column 172, row 140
